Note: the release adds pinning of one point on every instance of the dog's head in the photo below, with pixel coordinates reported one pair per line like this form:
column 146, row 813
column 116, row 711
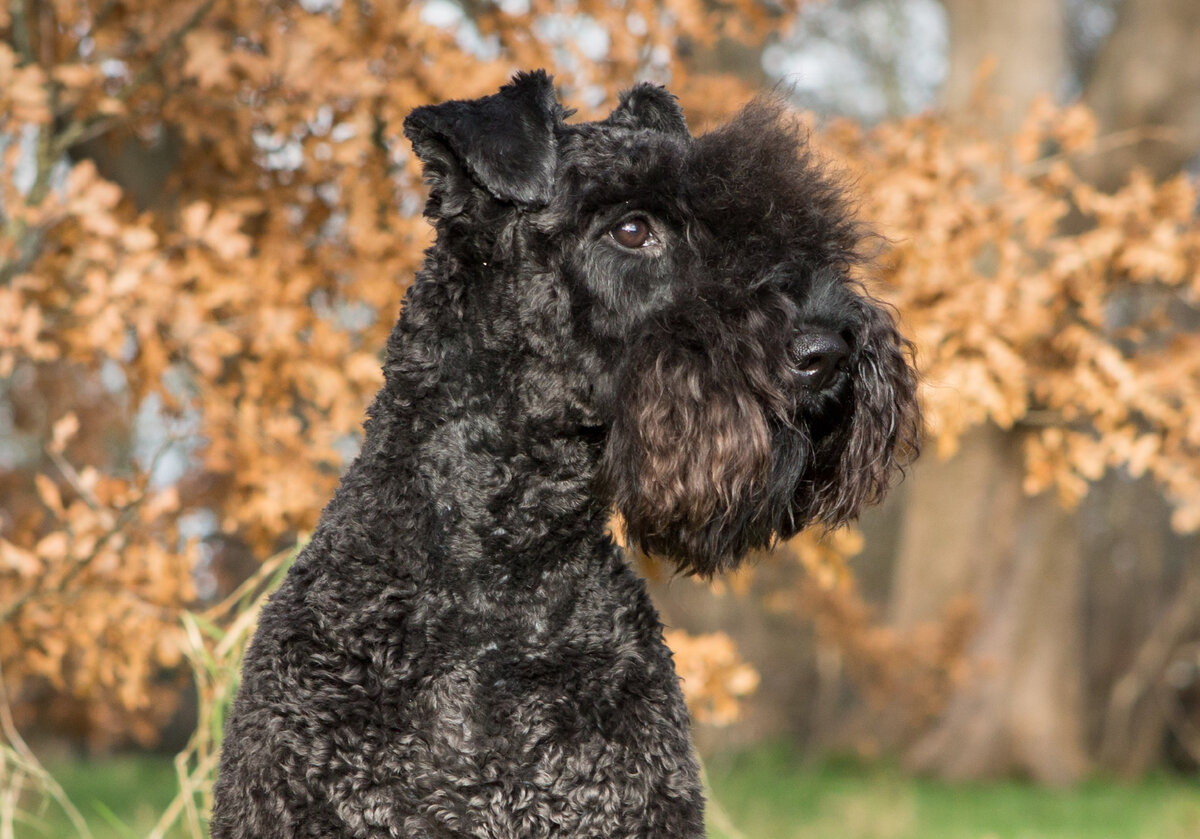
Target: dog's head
column 746, row 385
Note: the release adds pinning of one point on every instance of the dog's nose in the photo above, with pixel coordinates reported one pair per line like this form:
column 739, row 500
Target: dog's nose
column 818, row 355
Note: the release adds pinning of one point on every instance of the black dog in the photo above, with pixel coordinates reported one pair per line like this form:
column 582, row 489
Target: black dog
column 616, row 315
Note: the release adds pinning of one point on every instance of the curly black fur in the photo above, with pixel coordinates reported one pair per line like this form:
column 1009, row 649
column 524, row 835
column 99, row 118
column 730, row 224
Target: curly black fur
column 461, row 651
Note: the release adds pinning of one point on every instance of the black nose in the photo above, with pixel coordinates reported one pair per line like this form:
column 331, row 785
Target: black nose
column 818, row 355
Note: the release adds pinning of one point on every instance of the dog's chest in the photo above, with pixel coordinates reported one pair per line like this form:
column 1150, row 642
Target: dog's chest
column 544, row 723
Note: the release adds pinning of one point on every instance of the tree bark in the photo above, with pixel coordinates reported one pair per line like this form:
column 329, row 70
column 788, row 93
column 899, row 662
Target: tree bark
column 972, row 530
column 1144, row 88
column 1017, row 46
column 1023, row 708
column 1136, row 719
column 969, row 528
column 1146, row 80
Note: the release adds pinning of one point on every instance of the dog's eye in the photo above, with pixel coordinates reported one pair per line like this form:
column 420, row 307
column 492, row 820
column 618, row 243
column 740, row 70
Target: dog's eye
column 633, row 233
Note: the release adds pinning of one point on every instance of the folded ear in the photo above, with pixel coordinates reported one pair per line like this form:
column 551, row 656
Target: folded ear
column 503, row 143
column 647, row 105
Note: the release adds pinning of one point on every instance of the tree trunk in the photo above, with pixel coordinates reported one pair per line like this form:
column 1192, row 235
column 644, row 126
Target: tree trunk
column 1146, row 81
column 1017, row 46
column 1145, row 91
column 971, row 530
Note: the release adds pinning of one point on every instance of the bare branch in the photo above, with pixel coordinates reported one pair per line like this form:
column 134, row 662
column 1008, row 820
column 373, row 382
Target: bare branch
column 22, row 39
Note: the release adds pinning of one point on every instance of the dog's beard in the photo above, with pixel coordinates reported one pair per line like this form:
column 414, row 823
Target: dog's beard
column 692, row 454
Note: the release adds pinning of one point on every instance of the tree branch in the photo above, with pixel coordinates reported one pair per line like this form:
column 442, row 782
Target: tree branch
column 18, row 10
column 125, row 515
column 1151, row 659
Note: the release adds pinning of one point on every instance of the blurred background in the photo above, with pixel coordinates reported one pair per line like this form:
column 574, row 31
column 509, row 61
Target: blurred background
column 209, row 216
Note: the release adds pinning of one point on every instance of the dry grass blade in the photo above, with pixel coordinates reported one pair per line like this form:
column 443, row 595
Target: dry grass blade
column 17, row 764
column 215, row 656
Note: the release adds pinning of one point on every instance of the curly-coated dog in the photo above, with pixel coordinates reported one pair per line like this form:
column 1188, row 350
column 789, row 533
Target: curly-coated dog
column 615, row 316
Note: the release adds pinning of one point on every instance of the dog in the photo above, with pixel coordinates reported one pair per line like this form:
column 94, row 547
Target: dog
column 615, row 316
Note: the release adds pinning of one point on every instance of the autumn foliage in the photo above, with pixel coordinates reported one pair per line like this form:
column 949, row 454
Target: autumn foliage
column 208, row 217
column 1039, row 303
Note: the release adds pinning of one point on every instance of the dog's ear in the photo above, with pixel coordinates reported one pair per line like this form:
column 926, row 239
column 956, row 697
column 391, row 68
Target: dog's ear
column 503, row 143
column 649, row 106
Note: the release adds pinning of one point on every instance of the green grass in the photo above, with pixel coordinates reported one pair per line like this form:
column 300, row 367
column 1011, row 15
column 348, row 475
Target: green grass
column 120, row 797
column 770, row 794
column 766, row 794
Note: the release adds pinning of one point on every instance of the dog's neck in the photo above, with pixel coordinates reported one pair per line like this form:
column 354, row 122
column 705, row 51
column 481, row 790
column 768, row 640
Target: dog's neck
column 487, row 438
